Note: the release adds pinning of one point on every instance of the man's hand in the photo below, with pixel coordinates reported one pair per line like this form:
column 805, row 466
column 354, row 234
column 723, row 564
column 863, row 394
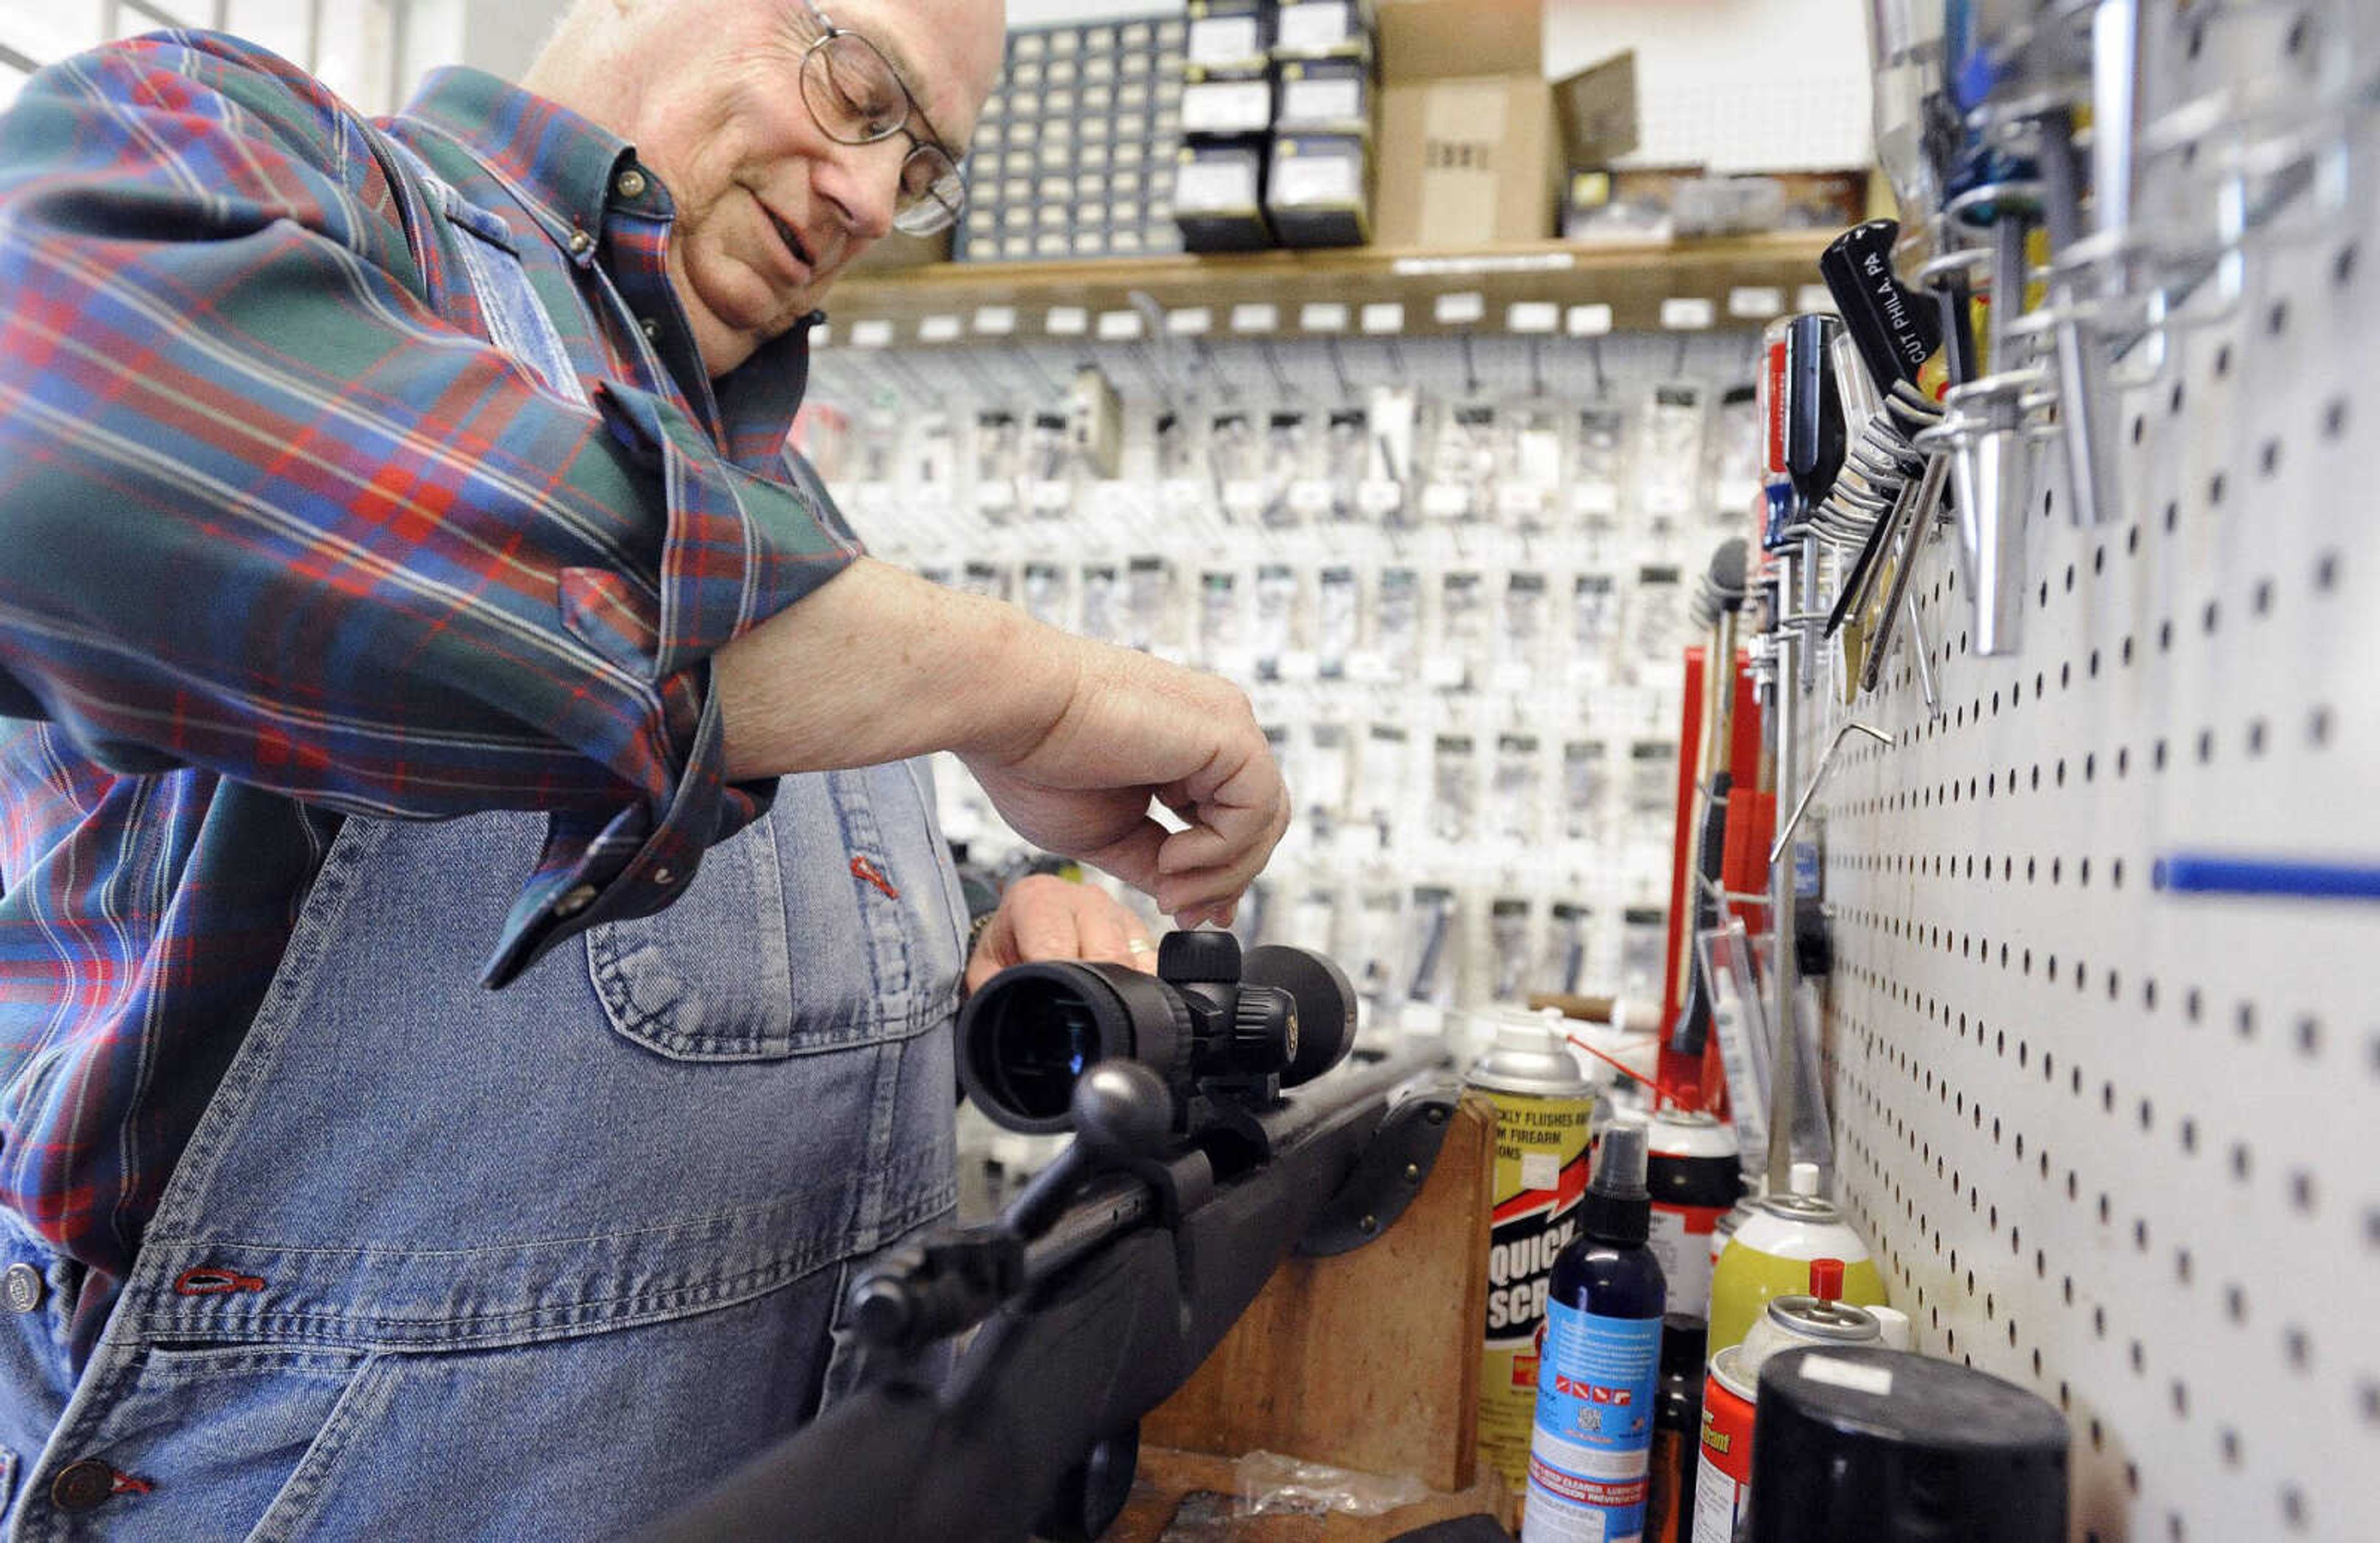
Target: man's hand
column 1135, row 729
column 1072, row 738
column 1044, row 916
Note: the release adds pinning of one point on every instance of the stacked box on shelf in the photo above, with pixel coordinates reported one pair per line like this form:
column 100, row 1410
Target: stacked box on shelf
column 1318, row 190
column 1227, row 110
column 1074, row 155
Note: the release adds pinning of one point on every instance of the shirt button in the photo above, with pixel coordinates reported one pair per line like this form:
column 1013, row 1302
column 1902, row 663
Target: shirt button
column 581, row 243
column 574, row 901
column 631, row 184
column 650, row 328
column 665, row 875
column 21, row 1285
column 82, row 1485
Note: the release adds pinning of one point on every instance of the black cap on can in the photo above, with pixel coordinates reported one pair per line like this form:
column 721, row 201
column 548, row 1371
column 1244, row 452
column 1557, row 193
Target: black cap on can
column 1883, row 1446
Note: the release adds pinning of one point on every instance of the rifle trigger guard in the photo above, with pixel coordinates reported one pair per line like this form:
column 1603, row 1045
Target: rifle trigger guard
column 1396, row 1162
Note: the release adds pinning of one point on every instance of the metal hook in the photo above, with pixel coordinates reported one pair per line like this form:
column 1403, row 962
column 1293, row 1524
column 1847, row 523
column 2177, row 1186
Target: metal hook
column 1272, row 362
column 1537, row 369
column 1826, row 764
column 1339, row 368
column 1470, row 367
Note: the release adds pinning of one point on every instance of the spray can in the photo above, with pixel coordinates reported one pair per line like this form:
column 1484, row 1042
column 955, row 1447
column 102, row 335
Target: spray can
column 1590, row 1456
column 1694, row 1176
column 1770, row 1256
column 1821, row 1317
column 1722, row 1233
column 1544, row 1112
column 1723, row 1468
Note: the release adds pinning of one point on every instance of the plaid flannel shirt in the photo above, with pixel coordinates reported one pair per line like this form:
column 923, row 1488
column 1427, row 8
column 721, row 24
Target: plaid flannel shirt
column 286, row 540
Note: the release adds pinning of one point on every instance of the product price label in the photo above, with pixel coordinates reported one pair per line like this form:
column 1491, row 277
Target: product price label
column 1591, row 1454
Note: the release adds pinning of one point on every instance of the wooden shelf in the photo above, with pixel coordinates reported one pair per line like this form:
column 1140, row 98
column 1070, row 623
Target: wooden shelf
column 1735, row 281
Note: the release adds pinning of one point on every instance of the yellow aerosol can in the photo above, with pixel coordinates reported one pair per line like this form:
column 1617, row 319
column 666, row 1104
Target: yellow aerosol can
column 1544, row 1123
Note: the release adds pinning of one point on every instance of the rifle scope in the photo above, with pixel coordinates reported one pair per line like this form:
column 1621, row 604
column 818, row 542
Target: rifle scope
column 1208, row 1022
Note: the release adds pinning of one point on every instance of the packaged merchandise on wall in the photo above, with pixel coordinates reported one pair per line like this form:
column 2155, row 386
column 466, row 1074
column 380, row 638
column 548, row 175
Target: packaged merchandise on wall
column 1444, row 589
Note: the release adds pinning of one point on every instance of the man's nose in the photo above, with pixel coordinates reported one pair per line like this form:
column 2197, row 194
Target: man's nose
column 864, row 182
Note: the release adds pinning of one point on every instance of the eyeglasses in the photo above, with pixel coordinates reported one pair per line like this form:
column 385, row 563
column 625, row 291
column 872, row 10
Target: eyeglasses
column 858, row 98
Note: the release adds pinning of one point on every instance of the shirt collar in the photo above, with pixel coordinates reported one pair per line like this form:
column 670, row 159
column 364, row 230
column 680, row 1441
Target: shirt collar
column 566, row 164
column 540, row 146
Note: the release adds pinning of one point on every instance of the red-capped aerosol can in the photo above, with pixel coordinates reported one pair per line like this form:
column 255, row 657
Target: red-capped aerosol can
column 1545, row 1117
column 1695, row 1176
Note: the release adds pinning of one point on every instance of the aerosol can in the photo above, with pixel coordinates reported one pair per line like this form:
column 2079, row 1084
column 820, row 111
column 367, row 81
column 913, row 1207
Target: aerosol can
column 1545, row 1119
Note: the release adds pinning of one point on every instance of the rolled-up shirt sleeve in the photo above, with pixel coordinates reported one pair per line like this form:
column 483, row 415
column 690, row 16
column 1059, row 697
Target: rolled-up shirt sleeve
column 265, row 513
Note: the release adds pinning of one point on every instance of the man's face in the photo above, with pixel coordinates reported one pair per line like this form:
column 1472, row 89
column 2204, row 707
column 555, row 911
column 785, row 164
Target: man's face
column 769, row 208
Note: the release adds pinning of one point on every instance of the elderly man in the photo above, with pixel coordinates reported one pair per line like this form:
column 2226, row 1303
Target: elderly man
column 407, row 594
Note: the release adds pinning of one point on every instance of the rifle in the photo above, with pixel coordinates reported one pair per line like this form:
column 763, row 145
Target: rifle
column 1212, row 1137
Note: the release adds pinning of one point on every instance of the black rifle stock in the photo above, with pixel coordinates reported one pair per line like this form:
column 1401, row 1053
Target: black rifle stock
column 1122, row 1298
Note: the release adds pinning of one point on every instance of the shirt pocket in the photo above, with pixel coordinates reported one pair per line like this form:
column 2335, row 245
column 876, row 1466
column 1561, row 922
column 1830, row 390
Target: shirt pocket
column 791, row 939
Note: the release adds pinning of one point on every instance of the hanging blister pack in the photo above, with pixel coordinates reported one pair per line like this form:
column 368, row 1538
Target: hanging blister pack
column 1223, row 626
column 1389, row 464
column 1285, row 460
column 1049, row 467
column 1346, row 452
column 1531, row 469
column 1459, row 657
column 1594, row 627
column 1329, row 772
column 1397, row 623
column 1658, row 617
column 999, row 466
column 1518, row 792
column 1462, row 485
column 1386, row 802
column 1508, row 949
column 1644, row 940
column 1652, row 783
column 1148, row 604
column 1735, row 445
column 1102, row 595
column 1045, row 595
column 1236, row 464
column 1433, row 946
column 1670, row 466
column 989, row 580
column 1338, row 620
column 1568, row 937
column 1453, row 789
column 1586, row 783
column 1598, row 472
column 1275, row 618
column 1520, row 637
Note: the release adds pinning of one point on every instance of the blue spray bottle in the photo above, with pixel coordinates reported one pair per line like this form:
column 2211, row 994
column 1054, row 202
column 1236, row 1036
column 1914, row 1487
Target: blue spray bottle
column 1590, row 1454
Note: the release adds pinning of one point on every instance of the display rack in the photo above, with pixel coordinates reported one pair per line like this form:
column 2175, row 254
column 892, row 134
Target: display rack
column 2112, row 1141
column 1593, row 289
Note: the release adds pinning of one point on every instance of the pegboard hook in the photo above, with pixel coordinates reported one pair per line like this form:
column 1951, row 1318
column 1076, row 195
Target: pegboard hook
column 1826, row 764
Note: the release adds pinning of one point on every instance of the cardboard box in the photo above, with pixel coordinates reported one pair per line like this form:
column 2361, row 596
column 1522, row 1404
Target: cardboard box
column 1472, row 158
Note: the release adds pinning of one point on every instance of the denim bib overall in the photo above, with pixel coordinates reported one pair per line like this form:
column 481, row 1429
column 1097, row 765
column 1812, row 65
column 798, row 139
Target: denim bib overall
column 441, row 1262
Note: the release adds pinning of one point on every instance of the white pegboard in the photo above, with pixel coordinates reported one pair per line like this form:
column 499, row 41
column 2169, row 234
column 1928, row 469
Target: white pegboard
column 2112, row 1142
